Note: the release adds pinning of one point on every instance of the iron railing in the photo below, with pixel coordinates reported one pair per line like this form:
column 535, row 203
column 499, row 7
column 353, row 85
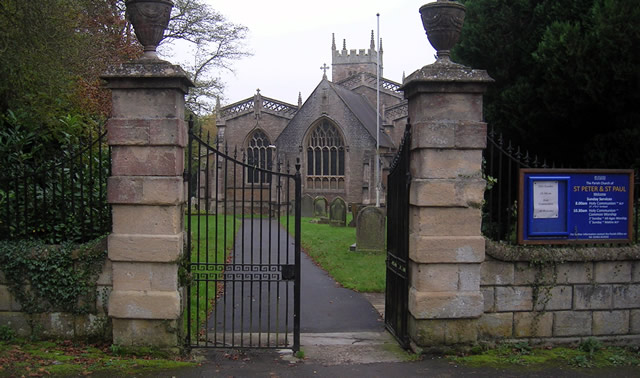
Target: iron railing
column 501, row 164
column 244, row 269
column 397, row 274
column 64, row 199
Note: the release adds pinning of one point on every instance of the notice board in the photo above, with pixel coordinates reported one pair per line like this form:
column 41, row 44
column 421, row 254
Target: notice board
column 560, row 206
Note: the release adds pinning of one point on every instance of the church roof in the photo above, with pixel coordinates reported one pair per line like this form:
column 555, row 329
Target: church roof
column 365, row 113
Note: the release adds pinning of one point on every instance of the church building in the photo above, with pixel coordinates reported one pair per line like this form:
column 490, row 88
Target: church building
column 333, row 132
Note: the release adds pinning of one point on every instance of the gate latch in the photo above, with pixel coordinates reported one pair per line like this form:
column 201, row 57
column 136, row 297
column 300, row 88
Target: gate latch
column 288, row 272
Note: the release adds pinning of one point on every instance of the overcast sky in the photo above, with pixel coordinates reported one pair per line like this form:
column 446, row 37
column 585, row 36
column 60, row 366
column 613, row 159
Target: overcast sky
column 291, row 39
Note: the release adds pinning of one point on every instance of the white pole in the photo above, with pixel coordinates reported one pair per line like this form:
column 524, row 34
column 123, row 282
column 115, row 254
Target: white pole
column 378, row 116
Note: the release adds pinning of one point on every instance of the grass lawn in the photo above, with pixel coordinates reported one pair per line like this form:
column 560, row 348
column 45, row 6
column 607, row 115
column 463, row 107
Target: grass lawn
column 589, row 354
column 204, row 245
column 329, row 246
column 67, row 358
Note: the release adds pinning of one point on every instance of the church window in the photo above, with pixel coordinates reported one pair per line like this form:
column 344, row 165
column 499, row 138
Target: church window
column 325, row 158
column 259, row 154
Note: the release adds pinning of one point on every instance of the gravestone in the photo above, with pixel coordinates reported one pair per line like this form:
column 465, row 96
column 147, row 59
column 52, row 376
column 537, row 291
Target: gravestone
column 370, row 230
column 338, row 212
column 320, row 207
column 307, row 206
column 355, row 209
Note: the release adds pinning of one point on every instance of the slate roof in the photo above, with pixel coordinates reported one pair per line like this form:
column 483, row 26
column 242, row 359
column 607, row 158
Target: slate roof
column 365, row 113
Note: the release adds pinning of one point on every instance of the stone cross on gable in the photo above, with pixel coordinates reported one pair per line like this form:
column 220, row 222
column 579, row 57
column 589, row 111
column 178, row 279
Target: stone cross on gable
column 324, row 69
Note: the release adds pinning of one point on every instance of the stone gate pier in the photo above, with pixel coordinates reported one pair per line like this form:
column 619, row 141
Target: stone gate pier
column 446, row 246
column 147, row 134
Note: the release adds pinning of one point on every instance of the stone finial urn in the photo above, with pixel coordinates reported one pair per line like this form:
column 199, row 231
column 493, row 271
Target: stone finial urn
column 442, row 20
column 150, row 18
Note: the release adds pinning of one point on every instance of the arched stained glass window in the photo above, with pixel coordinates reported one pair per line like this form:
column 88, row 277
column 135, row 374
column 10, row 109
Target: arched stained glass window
column 259, row 155
column 325, row 158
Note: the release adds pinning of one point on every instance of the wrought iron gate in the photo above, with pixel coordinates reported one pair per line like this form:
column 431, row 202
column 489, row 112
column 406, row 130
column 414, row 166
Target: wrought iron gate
column 243, row 281
column 397, row 290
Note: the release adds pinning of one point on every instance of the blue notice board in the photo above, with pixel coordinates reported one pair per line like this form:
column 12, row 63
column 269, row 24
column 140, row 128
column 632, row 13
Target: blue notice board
column 559, row 206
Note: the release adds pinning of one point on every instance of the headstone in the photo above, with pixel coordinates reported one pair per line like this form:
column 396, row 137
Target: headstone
column 370, row 230
column 355, row 209
column 306, row 206
column 338, row 212
column 320, row 207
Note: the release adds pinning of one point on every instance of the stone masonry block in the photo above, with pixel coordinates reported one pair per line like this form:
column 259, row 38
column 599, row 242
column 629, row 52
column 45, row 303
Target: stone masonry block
column 449, row 134
column 17, row 321
column 89, row 325
column 445, row 249
column 610, row 322
column 525, row 274
column 452, row 164
column 102, row 299
column 533, row 324
column 139, row 276
column 138, row 332
column 634, row 322
column 572, row 273
column 461, row 192
column 433, row 221
column 438, row 332
column 488, row 295
column 514, row 298
column 450, row 106
column 443, row 305
column 151, row 103
column 495, row 272
column 495, row 325
column 445, row 277
column 146, row 132
column 572, row 323
column 149, row 220
column 592, row 297
column 635, row 274
column 613, row 271
column 149, row 248
column 7, row 301
column 57, row 324
column 104, row 278
column 147, row 161
column 145, row 190
column 553, row 298
column 626, row 296
column 144, row 304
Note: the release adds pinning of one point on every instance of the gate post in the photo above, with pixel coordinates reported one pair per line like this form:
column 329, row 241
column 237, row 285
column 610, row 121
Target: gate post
column 147, row 134
column 446, row 245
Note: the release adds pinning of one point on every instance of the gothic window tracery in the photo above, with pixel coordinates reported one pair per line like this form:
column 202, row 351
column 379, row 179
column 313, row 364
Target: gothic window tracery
column 325, row 158
column 259, row 154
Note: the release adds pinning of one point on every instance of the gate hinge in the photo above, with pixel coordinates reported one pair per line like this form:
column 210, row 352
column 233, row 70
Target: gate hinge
column 288, row 272
column 185, row 175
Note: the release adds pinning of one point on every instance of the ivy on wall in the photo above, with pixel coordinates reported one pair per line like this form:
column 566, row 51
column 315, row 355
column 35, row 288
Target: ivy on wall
column 52, row 278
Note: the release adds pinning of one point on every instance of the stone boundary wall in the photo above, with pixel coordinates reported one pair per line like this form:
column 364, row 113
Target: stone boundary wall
column 95, row 324
column 560, row 295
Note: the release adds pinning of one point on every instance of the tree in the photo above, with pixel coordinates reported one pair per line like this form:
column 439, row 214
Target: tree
column 214, row 43
column 567, row 75
column 51, row 56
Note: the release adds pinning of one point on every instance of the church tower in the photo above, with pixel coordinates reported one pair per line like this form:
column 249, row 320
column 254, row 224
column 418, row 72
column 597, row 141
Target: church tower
column 346, row 63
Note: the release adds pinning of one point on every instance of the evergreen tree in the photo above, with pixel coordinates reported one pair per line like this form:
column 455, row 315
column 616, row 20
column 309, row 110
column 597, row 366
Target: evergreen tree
column 567, row 75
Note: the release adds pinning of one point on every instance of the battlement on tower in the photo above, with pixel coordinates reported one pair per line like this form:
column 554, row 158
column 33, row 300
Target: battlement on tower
column 354, row 56
column 346, row 63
